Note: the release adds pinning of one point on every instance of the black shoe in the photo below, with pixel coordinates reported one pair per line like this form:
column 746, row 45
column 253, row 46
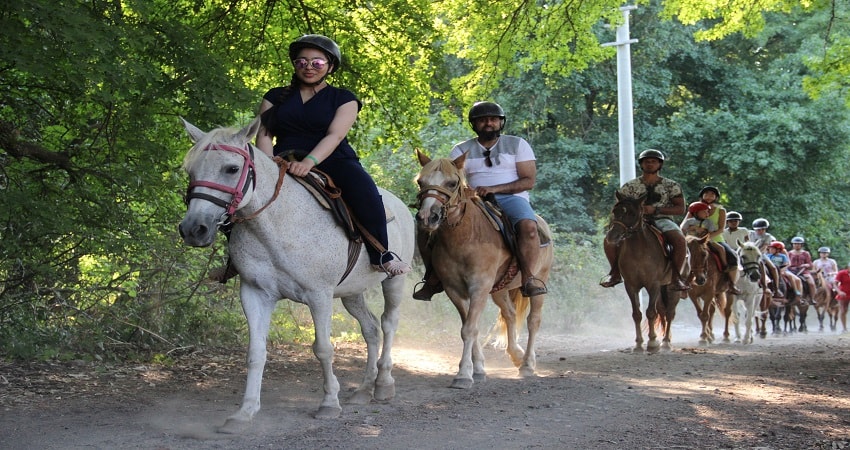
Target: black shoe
column 610, row 281
column 530, row 290
column 679, row 285
column 427, row 290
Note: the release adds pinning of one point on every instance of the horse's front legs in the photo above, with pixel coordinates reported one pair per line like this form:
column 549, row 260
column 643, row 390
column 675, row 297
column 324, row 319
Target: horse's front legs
column 258, row 312
column 471, row 366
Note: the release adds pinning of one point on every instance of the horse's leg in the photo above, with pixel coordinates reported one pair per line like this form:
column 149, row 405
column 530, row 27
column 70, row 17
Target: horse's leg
column 258, row 313
column 356, row 306
column 637, row 317
column 535, row 315
column 804, row 312
column 737, row 302
column 472, row 358
column 321, row 311
column 393, row 289
column 652, row 345
column 671, row 301
column 507, row 309
column 726, row 307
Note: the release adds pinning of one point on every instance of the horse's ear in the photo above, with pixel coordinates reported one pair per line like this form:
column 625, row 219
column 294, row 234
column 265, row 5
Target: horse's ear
column 248, row 133
column 642, row 198
column 738, row 241
column 195, row 134
column 422, row 157
column 618, row 196
column 460, row 161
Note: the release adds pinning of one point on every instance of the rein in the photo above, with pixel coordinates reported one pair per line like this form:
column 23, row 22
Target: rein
column 247, row 180
column 448, row 199
column 630, row 230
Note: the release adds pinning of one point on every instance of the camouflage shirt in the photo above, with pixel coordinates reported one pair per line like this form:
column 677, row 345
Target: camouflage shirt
column 660, row 194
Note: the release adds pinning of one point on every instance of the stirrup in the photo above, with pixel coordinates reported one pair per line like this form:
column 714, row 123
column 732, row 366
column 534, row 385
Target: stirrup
column 392, row 267
column 528, row 289
column 426, row 291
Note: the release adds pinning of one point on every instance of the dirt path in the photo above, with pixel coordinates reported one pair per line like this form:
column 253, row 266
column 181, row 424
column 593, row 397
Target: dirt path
column 782, row 392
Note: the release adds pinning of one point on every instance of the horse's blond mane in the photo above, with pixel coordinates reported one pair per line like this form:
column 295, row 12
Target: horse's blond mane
column 446, row 166
column 216, row 136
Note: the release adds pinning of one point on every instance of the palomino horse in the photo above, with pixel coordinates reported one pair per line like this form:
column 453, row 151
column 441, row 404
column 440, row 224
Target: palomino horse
column 751, row 292
column 286, row 245
column 471, row 259
column 643, row 264
column 825, row 303
column 708, row 286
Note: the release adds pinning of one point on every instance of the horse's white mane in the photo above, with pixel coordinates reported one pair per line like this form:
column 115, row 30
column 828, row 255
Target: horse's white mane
column 216, row 136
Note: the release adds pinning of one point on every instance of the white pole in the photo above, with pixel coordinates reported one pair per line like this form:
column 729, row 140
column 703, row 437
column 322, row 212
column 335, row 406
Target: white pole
column 624, row 97
column 624, row 108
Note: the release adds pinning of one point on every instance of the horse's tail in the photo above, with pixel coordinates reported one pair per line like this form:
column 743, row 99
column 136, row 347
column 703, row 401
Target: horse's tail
column 500, row 328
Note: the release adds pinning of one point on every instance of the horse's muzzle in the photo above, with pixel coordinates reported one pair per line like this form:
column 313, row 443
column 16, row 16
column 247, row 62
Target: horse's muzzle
column 428, row 220
column 197, row 233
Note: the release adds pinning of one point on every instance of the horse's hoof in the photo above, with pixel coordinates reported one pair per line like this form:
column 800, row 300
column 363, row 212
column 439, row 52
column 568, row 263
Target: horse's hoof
column 461, row 383
column 361, row 397
column 234, row 426
column 328, row 412
column 479, row 377
column 526, row 372
column 384, row 392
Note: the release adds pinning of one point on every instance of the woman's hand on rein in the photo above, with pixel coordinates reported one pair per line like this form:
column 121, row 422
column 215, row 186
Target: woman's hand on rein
column 299, row 168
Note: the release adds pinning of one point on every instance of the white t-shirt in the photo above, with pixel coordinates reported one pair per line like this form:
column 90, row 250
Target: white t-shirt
column 508, row 151
column 732, row 237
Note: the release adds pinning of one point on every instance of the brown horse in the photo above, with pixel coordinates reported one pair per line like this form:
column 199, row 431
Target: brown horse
column 643, row 265
column 471, row 259
column 708, row 286
column 825, row 303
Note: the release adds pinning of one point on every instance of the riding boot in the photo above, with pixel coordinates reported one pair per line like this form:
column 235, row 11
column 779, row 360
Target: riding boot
column 430, row 285
column 732, row 273
column 613, row 278
column 678, row 284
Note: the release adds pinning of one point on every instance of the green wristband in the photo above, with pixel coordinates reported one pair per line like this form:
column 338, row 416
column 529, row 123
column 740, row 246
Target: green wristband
column 312, row 158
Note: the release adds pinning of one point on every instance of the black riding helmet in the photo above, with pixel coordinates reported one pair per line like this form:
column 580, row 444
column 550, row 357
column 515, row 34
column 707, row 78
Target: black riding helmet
column 710, row 189
column 317, row 41
column 487, row 109
column 651, row 153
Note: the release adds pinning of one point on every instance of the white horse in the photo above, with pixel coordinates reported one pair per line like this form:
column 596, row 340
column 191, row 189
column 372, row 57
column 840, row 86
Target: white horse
column 751, row 292
column 285, row 245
